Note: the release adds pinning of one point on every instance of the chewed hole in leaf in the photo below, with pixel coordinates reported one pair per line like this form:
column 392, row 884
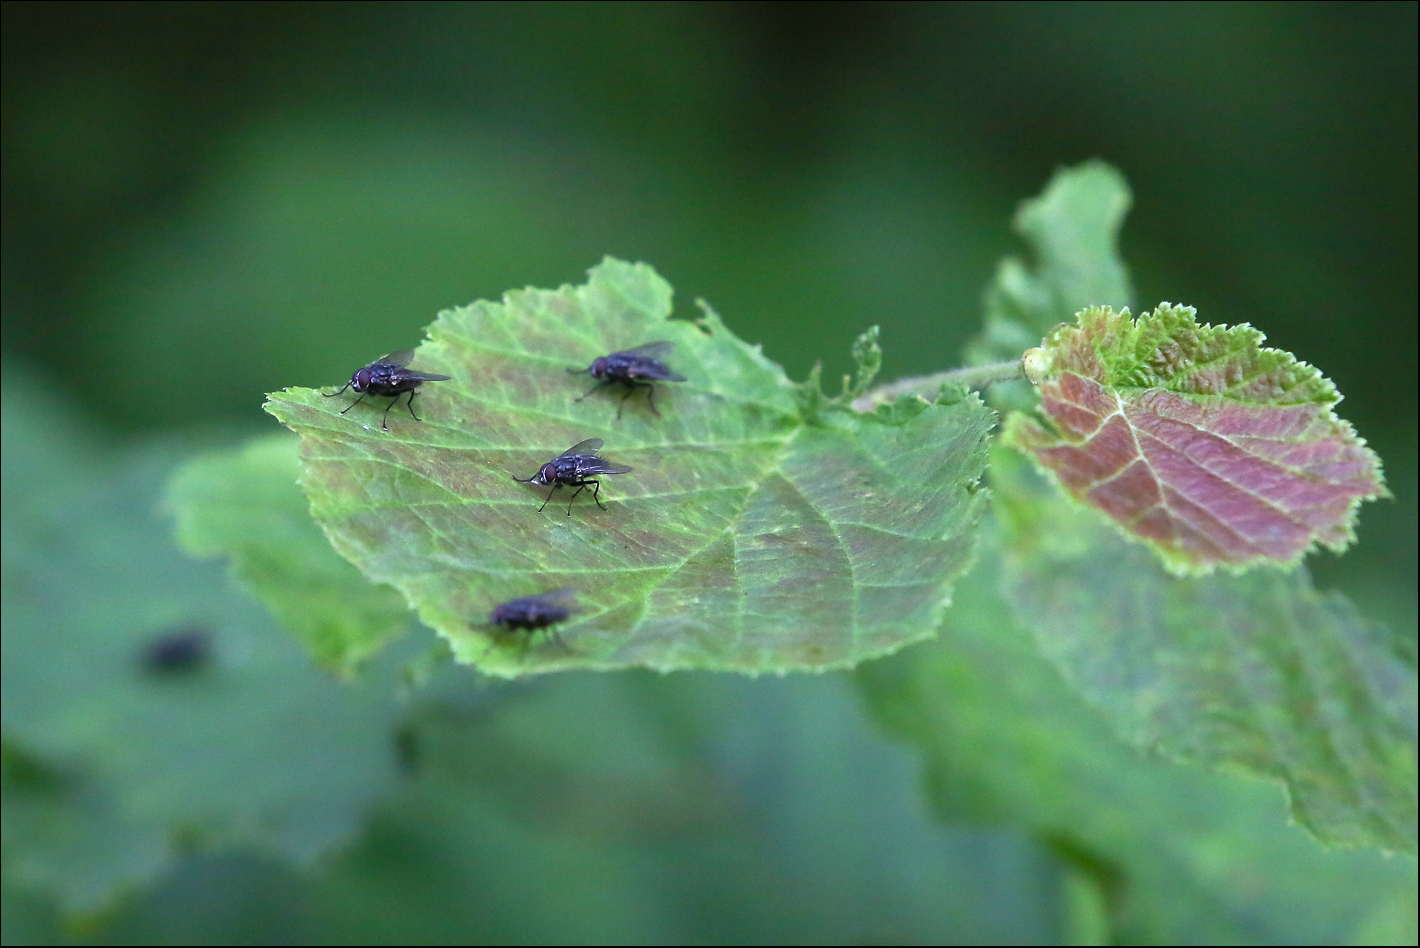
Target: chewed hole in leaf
column 742, row 537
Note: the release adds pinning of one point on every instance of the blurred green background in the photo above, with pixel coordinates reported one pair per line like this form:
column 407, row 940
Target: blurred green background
column 206, row 202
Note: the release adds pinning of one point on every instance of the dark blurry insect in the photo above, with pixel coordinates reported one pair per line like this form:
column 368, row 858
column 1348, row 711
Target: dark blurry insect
column 178, row 650
column 389, row 377
column 576, row 467
column 536, row 612
column 635, row 368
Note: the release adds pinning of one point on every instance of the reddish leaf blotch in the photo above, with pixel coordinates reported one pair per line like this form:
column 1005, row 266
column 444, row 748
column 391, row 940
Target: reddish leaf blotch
column 1253, row 468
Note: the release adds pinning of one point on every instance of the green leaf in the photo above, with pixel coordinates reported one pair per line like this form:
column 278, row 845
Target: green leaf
column 245, row 502
column 632, row 809
column 684, row 809
column 1073, row 232
column 1174, row 854
column 69, row 835
column 1195, row 439
column 745, row 538
column 1258, row 671
column 149, row 708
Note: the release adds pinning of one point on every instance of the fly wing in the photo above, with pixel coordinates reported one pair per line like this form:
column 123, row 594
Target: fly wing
column 589, row 447
column 643, row 362
column 401, row 359
column 651, row 350
column 639, row 368
column 590, row 465
column 564, row 598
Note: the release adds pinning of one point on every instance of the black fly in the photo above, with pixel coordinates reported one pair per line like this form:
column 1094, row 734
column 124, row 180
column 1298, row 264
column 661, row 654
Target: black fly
column 389, row 377
column 182, row 649
column 635, row 368
column 576, row 467
column 535, row 612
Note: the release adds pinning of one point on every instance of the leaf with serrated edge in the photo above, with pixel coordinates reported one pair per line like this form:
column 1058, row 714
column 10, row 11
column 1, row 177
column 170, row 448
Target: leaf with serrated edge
column 245, row 503
column 744, row 539
column 1259, row 671
column 1195, row 439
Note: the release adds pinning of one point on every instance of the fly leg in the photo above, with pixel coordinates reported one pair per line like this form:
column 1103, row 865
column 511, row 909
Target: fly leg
column 580, row 487
column 549, row 496
column 355, row 402
column 384, row 419
column 630, row 388
column 410, row 406
column 596, row 491
column 651, row 399
column 589, row 391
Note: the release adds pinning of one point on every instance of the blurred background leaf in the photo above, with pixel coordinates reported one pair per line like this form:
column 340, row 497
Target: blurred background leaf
column 246, row 503
column 634, row 809
column 151, row 710
column 1172, row 854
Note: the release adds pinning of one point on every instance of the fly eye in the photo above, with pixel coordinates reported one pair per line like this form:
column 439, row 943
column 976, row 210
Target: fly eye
column 599, row 365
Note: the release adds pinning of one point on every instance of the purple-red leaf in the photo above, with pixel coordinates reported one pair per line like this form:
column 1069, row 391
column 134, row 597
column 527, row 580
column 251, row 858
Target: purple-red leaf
column 1196, row 439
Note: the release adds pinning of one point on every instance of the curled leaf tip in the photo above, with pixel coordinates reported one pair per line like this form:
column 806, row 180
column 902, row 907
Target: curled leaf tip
column 1196, row 439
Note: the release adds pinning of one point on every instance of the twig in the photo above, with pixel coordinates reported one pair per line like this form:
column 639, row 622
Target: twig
column 974, row 376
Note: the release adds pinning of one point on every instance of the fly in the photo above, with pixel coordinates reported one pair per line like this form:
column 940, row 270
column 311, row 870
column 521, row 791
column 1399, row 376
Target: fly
column 536, row 612
column 183, row 649
column 389, row 377
column 576, row 467
column 635, row 368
